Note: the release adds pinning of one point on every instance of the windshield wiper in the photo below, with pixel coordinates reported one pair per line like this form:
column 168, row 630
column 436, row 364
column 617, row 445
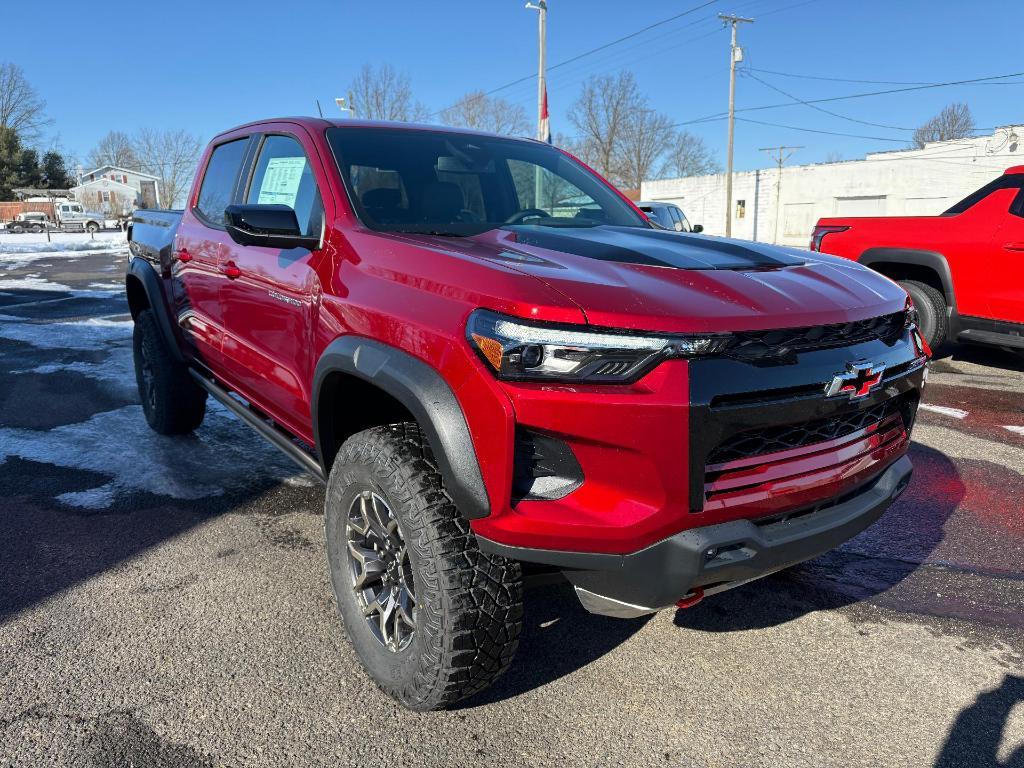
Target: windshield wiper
column 435, row 232
column 565, row 223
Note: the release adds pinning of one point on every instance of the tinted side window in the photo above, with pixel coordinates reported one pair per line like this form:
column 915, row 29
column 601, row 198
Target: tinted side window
column 218, row 186
column 1012, row 181
column 283, row 177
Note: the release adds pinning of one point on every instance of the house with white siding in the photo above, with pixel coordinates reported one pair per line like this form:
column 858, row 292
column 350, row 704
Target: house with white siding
column 117, row 190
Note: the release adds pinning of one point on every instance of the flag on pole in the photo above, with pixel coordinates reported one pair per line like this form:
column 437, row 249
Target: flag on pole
column 545, row 124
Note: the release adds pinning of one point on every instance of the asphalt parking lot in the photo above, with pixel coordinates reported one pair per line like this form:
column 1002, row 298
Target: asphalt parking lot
column 165, row 602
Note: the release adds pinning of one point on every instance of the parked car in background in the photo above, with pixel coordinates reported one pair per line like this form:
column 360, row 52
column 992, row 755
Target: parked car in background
column 29, row 221
column 669, row 216
column 964, row 268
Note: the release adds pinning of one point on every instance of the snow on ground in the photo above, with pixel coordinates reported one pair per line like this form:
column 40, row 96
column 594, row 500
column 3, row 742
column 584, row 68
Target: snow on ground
column 18, row 251
column 223, row 455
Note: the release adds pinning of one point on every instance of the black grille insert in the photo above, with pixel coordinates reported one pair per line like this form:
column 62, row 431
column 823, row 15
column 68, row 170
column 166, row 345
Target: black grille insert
column 781, row 438
column 778, row 345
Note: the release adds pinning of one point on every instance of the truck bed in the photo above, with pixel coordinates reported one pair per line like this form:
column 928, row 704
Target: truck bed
column 151, row 234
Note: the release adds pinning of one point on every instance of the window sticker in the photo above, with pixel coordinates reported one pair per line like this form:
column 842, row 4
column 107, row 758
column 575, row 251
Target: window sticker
column 281, row 181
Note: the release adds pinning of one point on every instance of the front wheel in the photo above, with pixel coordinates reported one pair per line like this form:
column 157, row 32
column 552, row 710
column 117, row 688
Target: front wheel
column 931, row 309
column 432, row 618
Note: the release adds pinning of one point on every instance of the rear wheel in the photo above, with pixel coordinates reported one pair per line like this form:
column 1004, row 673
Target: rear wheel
column 931, row 309
column 91, row 227
column 171, row 400
column 432, row 618
column 17, row 229
column 37, row 228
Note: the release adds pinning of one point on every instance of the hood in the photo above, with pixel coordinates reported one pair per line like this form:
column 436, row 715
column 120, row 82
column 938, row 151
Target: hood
column 646, row 279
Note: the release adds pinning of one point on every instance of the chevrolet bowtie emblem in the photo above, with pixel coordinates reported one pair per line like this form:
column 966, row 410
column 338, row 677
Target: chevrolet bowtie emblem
column 858, row 381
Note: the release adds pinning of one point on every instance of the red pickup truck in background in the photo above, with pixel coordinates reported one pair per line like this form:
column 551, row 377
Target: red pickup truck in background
column 493, row 358
column 964, row 269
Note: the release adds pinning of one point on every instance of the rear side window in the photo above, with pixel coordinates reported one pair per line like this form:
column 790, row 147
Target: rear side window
column 218, row 186
column 283, row 177
column 1011, row 181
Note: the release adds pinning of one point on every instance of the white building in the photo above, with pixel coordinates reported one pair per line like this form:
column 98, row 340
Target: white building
column 117, row 190
column 913, row 182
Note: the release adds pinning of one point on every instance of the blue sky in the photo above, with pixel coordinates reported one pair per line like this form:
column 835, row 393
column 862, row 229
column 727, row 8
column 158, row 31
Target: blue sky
column 209, row 65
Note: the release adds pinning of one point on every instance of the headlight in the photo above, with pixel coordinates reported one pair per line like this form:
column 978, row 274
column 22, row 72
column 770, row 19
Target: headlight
column 520, row 350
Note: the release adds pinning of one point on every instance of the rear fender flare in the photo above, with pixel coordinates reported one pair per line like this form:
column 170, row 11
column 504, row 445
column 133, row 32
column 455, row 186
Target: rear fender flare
column 143, row 272
column 931, row 259
column 426, row 395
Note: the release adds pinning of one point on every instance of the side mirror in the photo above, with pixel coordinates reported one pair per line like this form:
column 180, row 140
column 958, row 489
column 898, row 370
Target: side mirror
column 697, row 228
column 271, row 226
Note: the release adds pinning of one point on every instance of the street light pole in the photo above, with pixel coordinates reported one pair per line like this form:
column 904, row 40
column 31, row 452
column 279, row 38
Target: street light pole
column 735, row 54
column 542, row 42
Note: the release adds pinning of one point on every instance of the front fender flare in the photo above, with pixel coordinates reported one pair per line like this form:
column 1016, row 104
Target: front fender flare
column 426, row 395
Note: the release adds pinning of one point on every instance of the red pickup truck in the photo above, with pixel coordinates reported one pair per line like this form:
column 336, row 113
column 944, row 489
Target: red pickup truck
column 963, row 269
column 493, row 358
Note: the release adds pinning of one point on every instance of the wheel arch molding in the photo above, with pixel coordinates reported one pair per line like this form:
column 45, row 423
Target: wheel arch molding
column 912, row 257
column 421, row 391
column 142, row 277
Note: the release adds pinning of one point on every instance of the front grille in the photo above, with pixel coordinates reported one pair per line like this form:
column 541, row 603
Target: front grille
column 777, row 345
column 785, row 437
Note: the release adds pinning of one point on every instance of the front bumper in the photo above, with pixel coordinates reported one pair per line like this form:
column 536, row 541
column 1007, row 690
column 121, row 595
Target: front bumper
column 714, row 558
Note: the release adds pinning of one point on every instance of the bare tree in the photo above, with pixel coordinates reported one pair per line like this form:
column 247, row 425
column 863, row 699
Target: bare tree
column 383, row 93
column 171, row 156
column 833, row 157
column 116, row 148
column 480, row 112
column 953, row 122
column 600, row 116
column 688, row 155
column 21, row 108
column 645, row 136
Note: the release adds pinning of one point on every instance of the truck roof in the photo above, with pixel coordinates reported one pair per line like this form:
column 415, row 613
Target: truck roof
column 315, row 124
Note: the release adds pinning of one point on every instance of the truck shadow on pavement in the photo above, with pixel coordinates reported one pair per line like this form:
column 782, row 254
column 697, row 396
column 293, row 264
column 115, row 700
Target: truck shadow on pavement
column 978, row 730
column 559, row 637
column 872, row 563
column 991, row 357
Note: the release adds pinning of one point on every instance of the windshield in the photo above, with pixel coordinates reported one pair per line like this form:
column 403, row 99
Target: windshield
column 459, row 184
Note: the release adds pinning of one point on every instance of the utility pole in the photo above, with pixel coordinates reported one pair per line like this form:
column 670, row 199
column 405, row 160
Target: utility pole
column 781, row 155
column 735, row 56
column 542, row 39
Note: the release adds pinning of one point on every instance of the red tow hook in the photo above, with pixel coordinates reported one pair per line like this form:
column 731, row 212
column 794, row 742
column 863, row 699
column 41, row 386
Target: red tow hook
column 692, row 597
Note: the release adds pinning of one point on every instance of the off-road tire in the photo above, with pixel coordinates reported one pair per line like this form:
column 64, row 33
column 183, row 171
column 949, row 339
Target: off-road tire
column 171, row 400
column 468, row 604
column 931, row 308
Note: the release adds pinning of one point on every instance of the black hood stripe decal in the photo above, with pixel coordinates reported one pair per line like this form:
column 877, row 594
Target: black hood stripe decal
column 635, row 245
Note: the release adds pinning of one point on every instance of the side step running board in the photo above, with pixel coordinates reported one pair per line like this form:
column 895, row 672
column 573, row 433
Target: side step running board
column 275, row 436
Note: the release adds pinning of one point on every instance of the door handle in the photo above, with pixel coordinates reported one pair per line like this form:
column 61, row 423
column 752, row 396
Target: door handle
column 1014, row 247
column 184, row 256
column 232, row 271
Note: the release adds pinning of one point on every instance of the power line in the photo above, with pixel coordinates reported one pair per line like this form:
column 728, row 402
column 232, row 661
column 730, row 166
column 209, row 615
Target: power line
column 601, row 47
column 719, row 115
column 838, row 79
column 765, row 83
column 815, row 130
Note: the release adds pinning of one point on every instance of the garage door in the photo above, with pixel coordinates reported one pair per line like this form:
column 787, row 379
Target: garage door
column 861, row 206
